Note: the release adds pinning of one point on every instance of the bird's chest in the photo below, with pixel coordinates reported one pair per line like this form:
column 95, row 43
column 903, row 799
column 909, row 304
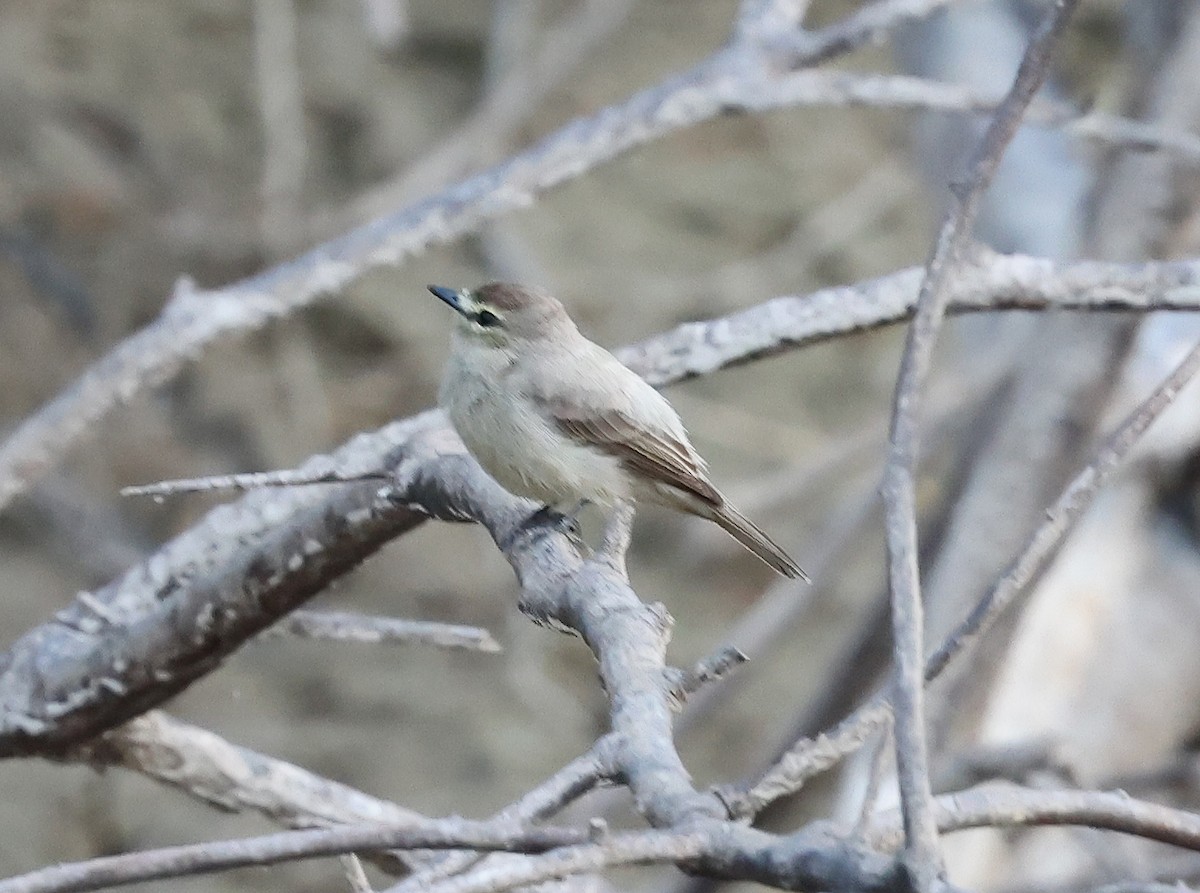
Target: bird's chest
column 508, row 434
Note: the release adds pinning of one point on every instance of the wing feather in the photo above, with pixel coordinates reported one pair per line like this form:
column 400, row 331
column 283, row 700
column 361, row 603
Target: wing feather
column 658, row 455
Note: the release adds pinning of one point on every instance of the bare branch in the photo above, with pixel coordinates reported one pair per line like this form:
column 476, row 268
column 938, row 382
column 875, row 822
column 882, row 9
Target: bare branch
column 810, row 757
column 1004, row 805
column 254, row 480
column 281, row 106
column 579, row 776
column 922, row 853
column 93, row 674
column 745, row 75
column 990, row 282
column 985, row 806
column 287, row 846
column 230, row 778
column 633, row 849
column 852, row 89
column 341, row 626
column 355, row 874
column 233, row 778
column 125, row 648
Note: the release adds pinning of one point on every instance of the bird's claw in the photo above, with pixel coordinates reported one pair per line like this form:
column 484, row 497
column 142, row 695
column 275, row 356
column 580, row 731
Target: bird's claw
column 546, row 516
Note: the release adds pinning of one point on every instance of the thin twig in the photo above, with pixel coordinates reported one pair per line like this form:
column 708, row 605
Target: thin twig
column 251, row 480
column 286, row 846
column 1062, row 516
column 1005, row 805
column 922, row 854
column 876, row 769
column 355, row 874
column 745, row 75
column 645, row 848
column 342, row 626
column 579, row 776
column 812, row 756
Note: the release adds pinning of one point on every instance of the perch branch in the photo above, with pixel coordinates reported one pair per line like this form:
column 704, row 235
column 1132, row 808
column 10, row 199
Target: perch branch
column 53, row 691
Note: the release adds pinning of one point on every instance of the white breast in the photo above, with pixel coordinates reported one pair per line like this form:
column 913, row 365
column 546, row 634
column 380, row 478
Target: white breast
column 526, row 454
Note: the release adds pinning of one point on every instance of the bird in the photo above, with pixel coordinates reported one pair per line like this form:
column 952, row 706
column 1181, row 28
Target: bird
column 553, row 416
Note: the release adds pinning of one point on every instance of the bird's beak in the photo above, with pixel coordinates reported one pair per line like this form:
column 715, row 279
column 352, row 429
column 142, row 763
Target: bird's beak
column 455, row 297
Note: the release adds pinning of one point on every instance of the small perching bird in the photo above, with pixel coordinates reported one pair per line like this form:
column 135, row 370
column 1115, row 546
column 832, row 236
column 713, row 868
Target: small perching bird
column 556, row 418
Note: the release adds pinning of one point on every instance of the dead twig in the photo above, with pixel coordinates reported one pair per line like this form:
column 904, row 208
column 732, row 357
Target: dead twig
column 922, row 855
column 342, row 626
column 812, row 756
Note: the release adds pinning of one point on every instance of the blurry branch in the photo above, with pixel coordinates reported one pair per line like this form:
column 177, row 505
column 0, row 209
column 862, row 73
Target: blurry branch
column 130, row 645
column 755, row 71
column 811, row 756
column 509, row 102
column 233, row 778
column 340, row 626
column 1063, row 383
column 281, row 106
column 510, row 40
column 386, row 22
column 1004, row 805
column 236, row 779
column 848, row 89
column 922, row 854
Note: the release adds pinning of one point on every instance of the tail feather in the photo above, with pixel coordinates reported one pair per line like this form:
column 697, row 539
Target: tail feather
column 756, row 541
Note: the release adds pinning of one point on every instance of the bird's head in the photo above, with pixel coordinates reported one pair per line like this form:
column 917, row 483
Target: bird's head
column 502, row 314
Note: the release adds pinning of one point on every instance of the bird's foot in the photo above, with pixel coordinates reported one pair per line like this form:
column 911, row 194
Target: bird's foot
column 546, row 516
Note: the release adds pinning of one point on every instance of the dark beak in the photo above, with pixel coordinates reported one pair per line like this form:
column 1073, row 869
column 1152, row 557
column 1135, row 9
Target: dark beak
column 451, row 296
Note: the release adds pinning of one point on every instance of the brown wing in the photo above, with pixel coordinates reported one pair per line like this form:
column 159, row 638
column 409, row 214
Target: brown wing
column 657, row 455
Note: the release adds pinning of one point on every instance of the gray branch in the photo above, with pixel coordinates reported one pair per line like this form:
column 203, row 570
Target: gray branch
column 130, row 645
column 811, row 756
column 763, row 67
column 922, row 854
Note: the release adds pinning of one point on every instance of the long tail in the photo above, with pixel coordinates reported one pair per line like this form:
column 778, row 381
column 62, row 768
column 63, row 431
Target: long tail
column 753, row 538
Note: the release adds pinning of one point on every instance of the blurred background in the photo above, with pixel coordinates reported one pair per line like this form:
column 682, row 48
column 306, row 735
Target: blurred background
column 212, row 138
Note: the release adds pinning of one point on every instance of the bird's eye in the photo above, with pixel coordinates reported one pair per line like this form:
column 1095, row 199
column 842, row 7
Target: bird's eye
column 487, row 319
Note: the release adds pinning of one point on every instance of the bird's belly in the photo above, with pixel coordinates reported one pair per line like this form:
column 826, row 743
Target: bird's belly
column 528, row 457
